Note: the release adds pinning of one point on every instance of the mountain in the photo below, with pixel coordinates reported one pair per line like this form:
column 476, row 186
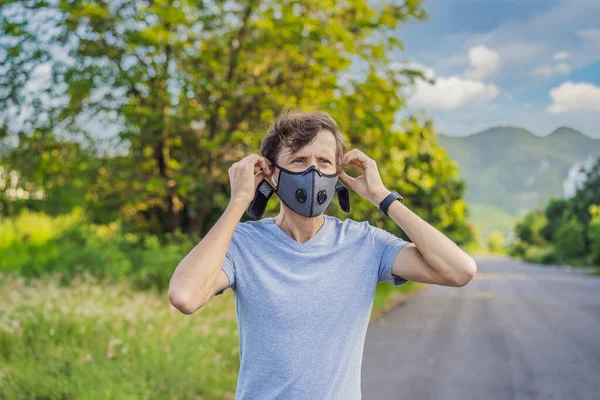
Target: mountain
column 514, row 170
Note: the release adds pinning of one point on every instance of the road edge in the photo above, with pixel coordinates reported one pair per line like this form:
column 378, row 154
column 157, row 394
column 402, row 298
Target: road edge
column 395, row 300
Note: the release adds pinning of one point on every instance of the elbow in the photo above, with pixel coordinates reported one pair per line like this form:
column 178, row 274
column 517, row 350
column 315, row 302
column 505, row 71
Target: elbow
column 467, row 272
column 183, row 302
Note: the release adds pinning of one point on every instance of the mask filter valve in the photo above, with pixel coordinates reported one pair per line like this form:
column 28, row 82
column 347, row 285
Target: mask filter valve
column 322, row 197
column 301, row 195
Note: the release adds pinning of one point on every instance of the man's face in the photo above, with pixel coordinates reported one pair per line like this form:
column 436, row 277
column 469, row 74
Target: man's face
column 320, row 152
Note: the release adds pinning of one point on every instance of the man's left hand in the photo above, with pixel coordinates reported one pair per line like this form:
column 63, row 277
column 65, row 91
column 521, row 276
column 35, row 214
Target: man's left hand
column 368, row 185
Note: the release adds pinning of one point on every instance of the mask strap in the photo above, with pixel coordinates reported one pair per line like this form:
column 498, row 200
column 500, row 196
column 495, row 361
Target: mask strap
column 263, row 193
column 343, row 196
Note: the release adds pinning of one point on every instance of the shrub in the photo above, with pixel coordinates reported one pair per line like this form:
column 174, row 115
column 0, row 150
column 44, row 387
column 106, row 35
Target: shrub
column 594, row 234
column 517, row 248
column 495, row 242
column 33, row 245
column 569, row 239
column 540, row 255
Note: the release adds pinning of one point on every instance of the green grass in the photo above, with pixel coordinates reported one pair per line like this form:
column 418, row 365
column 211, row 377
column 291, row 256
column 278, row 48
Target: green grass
column 34, row 245
column 92, row 340
column 385, row 290
column 83, row 317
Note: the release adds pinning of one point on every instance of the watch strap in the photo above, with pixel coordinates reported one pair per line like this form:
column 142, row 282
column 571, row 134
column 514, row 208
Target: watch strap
column 385, row 203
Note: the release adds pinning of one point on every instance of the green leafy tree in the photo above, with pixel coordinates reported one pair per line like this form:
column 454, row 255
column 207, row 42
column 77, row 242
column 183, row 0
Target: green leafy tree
column 57, row 169
column 570, row 239
column 193, row 85
column 495, row 242
column 586, row 196
column 594, row 233
column 555, row 212
column 529, row 229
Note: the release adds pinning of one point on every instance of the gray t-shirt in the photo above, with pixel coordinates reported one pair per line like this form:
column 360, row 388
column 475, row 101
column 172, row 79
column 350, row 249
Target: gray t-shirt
column 303, row 308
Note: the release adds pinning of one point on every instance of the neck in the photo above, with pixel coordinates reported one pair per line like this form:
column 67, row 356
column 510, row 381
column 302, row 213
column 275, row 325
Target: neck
column 298, row 227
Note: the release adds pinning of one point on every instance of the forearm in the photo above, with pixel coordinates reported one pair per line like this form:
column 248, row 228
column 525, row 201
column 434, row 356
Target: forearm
column 195, row 275
column 441, row 254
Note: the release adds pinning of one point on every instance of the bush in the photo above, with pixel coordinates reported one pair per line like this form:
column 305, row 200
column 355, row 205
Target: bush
column 495, row 242
column 517, row 248
column 594, row 234
column 569, row 239
column 33, row 245
column 540, row 255
column 529, row 229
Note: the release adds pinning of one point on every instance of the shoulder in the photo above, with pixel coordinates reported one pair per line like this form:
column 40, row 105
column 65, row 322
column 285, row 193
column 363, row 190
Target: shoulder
column 251, row 229
column 350, row 226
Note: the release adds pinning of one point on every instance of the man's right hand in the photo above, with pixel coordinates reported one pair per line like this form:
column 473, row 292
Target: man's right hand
column 244, row 181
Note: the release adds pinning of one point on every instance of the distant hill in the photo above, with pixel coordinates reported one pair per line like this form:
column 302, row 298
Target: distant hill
column 514, row 170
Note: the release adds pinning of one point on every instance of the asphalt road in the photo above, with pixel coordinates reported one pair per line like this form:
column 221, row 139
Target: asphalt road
column 516, row 331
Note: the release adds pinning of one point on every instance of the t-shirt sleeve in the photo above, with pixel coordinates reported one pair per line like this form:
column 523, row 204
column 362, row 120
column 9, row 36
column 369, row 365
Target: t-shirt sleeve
column 229, row 267
column 387, row 247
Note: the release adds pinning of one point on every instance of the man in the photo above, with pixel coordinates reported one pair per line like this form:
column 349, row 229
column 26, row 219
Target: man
column 304, row 281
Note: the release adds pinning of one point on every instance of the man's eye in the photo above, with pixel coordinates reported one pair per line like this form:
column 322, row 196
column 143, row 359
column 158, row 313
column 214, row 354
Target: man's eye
column 299, row 159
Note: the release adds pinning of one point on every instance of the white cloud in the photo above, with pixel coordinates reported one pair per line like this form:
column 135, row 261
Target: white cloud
column 520, row 51
column 451, row 93
column 526, row 43
column 561, row 55
column 522, row 44
column 590, row 34
column 551, row 70
column 574, row 96
column 563, row 68
column 455, row 91
column 483, row 62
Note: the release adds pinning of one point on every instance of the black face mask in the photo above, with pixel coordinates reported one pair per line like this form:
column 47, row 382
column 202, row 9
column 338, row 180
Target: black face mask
column 307, row 192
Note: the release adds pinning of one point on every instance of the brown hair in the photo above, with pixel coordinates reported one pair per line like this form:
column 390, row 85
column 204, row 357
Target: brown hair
column 296, row 129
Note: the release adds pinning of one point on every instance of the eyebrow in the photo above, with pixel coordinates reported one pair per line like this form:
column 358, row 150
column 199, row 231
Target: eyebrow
column 293, row 157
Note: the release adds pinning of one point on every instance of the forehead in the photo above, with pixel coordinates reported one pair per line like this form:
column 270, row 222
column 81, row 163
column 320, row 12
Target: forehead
column 323, row 145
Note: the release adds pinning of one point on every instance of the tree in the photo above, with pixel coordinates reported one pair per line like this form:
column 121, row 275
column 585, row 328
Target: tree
column 585, row 197
column 594, row 233
column 61, row 170
column 570, row 239
column 495, row 242
column 529, row 229
column 555, row 212
column 193, row 85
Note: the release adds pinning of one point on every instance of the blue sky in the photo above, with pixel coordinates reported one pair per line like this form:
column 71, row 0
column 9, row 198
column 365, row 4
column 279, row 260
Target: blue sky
column 534, row 64
column 528, row 63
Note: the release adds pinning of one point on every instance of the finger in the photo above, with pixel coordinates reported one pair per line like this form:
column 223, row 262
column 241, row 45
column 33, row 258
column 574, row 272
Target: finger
column 359, row 159
column 258, row 177
column 251, row 158
column 348, row 153
column 258, row 161
column 267, row 166
column 347, row 178
column 250, row 161
column 264, row 164
column 356, row 161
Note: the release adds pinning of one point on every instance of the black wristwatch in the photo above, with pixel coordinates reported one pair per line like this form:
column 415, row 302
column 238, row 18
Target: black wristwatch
column 385, row 203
